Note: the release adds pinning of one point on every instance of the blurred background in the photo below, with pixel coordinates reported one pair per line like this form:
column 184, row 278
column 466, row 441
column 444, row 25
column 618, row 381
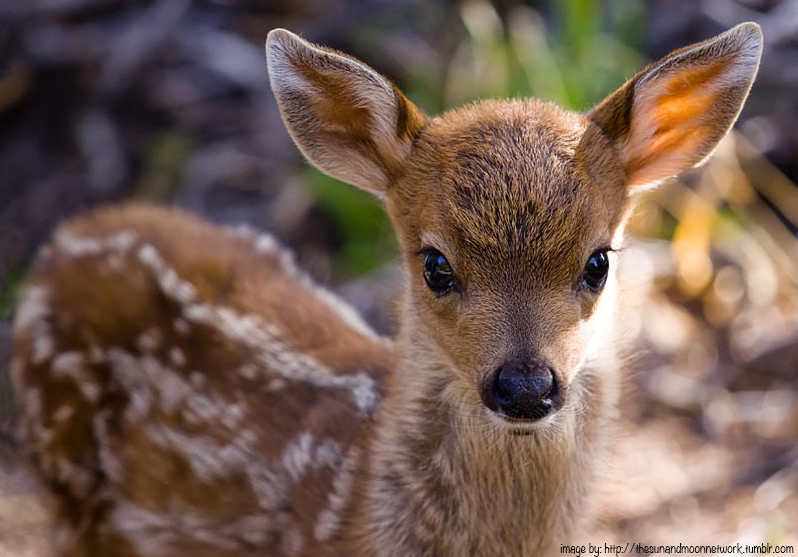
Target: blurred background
column 168, row 101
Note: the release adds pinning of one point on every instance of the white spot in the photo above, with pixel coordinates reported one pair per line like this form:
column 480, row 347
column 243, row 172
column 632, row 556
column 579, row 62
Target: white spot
column 116, row 262
column 77, row 246
column 139, row 404
column 208, row 458
column 197, row 379
column 248, row 371
column 90, row 391
column 232, row 416
column 33, row 308
column 248, row 437
column 329, row 519
column 177, row 357
column 72, row 365
column 110, row 463
column 66, row 363
column 63, row 414
column 296, row 456
column 32, row 424
column 78, row 479
column 31, row 320
column 148, row 375
column 149, row 341
column 302, row 454
column 254, row 529
column 328, row 454
column 200, row 408
column 151, row 532
column 43, row 347
column 293, row 541
column 170, row 282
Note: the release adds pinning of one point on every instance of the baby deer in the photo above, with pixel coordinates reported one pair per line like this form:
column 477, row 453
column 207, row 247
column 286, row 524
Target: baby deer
column 186, row 390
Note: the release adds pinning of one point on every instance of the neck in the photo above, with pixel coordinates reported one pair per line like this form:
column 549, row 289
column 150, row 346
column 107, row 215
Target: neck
column 443, row 479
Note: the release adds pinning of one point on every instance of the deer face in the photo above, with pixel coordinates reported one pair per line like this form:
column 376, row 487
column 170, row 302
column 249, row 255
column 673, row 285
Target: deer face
column 510, row 248
column 508, row 213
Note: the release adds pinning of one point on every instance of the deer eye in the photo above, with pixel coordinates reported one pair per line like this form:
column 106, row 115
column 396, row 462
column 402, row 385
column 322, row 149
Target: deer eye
column 595, row 274
column 438, row 273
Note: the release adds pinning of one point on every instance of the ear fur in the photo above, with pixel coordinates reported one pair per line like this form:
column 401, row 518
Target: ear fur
column 347, row 119
column 671, row 115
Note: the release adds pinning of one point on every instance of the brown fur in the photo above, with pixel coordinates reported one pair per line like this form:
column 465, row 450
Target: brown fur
column 186, row 390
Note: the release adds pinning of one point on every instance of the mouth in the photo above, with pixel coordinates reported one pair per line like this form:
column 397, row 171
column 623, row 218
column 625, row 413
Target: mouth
column 519, row 426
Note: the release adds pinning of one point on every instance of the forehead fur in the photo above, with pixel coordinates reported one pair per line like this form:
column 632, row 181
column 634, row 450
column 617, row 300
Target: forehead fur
column 510, row 181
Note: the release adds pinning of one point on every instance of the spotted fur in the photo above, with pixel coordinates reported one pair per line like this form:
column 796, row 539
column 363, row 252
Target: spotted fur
column 177, row 420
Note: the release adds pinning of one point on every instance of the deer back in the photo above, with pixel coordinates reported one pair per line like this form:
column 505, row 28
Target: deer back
column 187, row 390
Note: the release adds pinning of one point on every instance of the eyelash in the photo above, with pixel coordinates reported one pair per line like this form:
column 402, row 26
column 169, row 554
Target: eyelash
column 424, row 251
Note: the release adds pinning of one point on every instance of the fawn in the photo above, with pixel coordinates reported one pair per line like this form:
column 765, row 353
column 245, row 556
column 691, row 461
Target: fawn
column 186, row 390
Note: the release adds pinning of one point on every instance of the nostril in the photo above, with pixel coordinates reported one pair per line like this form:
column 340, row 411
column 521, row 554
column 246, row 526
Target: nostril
column 514, row 381
column 505, row 386
column 539, row 385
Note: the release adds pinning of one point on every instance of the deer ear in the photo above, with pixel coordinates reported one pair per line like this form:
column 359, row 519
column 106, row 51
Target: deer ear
column 670, row 116
column 348, row 120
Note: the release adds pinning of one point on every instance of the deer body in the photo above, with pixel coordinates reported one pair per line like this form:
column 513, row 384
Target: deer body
column 183, row 418
column 186, row 390
column 210, row 409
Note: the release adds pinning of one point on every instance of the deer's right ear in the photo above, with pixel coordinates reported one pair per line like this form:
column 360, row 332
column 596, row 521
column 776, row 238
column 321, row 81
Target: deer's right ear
column 347, row 119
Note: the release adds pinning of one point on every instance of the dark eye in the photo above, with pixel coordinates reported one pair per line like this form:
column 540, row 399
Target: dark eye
column 595, row 273
column 438, row 273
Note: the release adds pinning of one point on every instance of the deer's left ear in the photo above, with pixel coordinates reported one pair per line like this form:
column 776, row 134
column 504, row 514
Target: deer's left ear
column 670, row 116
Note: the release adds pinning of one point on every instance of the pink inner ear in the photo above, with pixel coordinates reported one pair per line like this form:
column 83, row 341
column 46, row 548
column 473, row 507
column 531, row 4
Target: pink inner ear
column 674, row 123
column 669, row 153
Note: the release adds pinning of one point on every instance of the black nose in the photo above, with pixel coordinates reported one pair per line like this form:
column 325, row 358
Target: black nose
column 524, row 389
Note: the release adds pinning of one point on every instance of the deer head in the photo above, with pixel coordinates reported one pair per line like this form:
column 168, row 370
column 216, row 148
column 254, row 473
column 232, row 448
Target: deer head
column 508, row 212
